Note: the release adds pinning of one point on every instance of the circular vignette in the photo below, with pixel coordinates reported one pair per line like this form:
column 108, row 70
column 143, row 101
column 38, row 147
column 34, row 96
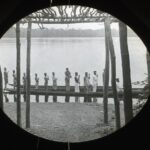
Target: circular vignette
column 25, row 8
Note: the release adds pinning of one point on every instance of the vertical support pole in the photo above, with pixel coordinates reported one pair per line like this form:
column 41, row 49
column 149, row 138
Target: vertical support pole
column 28, row 74
column 128, row 108
column 113, row 72
column 148, row 68
column 18, row 98
column 106, row 77
column 1, row 90
column 37, row 98
column 46, row 95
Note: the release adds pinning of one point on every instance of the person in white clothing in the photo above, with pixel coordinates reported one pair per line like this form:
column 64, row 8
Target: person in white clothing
column 119, row 89
column 54, row 86
column 36, row 81
column 77, row 83
column 95, row 84
column 54, row 79
column 46, row 78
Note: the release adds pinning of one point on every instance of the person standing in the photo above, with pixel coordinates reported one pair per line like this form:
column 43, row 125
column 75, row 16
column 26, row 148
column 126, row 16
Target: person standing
column 67, row 83
column 14, row 79
column 5, row 77
column 95, row 84
column 86, row 86
column 36, row 86
column 46, row 78
column 89, row 87
column 77, row 83
column 54, row 79
column 119, row 90
column 36, row 81
column 67, row 79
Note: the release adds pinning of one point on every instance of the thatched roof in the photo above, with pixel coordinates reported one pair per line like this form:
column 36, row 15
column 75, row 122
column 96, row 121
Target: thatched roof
column 67, row 15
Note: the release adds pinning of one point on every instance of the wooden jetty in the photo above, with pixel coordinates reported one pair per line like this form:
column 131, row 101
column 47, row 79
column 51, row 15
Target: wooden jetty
column 61, row 91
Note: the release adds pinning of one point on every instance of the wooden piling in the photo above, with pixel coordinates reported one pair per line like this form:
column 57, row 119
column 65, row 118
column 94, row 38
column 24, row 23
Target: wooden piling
column 6, row 98
column 18, row 97
column 128, row 108
column 28, row 74
column 46, row 96
column 54, row 97
column 113, row 72
column 1, row 90
column 37, row 98
column 106, row 77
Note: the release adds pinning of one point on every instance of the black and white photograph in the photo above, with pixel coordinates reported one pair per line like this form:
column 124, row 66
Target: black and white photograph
column 72, row 73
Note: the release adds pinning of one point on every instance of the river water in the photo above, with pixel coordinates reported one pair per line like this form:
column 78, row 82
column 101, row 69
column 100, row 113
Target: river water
column 78, row 54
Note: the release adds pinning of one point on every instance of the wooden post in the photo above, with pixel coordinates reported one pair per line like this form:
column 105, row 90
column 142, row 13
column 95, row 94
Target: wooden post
column 6, row 98
column 28, row 75
column 46, row 96
column 128, row 108
column 1, row 90
column 18, row 98
column 106, row 77
column 54, row 97
column 148, row 68
column 37, row 98
column 113, row 71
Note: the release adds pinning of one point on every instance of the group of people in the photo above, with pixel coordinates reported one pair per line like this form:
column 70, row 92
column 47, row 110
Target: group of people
column 88, row 86
column 68, row 76
column 6, row 77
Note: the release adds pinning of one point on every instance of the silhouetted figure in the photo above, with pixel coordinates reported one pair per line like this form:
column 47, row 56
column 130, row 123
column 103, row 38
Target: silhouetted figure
column 95, row 84
column 14, row 79
column 77, row 83
column 54, row 79
column 36, row 86
column 46, row 78
column 86, row 86
column 5, row 77
column 67, row 83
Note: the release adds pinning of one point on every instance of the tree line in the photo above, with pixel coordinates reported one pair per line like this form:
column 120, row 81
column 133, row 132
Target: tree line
column 64, row 33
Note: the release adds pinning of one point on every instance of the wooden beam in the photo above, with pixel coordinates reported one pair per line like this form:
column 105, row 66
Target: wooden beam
column 113, row 72
column 28, row 75
column 106, row 77
column 72, row 93
column 1, row 89
column 67, row 21
column 128, row 108
column 68, row 18
column 18, row 99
